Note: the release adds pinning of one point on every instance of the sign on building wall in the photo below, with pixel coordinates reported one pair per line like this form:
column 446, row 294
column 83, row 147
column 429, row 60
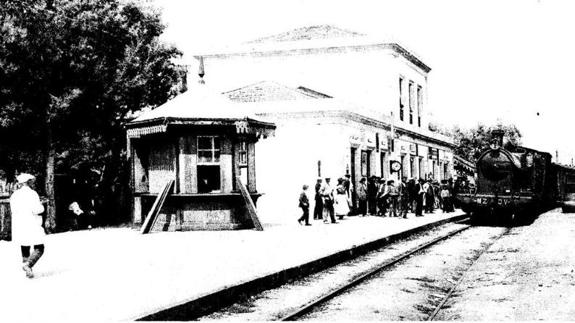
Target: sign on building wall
column 403, row 148
column 370, row 143
column 433, row 153
column 355, row 140
column 383, row 143
column 413, row 149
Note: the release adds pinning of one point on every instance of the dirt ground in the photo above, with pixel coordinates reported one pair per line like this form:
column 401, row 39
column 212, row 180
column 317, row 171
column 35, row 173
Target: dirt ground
column 526, row 275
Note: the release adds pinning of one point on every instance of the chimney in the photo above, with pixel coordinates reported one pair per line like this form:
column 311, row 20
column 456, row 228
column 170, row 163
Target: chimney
column 497, row 137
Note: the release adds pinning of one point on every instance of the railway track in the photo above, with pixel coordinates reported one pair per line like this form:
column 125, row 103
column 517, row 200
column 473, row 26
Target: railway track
column 294, row 315
column 437, row 287
column 456, row 284
column 302, row 299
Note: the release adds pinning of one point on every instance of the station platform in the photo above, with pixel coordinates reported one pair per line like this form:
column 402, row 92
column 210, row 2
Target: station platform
column 118, row 274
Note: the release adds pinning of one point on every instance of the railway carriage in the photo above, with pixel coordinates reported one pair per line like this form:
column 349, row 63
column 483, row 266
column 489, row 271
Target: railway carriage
column 566, row 187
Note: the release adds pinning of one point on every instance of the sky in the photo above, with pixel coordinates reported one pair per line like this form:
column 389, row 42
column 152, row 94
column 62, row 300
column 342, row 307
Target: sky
column 492, row 61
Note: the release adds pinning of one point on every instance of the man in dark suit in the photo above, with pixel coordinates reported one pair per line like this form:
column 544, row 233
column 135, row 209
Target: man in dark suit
column 304, row 205
column 318, row 208
column 419, row 198
column 372, row 195
column 403, row 197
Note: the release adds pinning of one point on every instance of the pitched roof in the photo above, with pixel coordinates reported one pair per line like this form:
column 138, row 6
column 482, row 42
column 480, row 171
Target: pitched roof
column 313, row 39
column 308, row 33
column 271, row 91
column 198, row 103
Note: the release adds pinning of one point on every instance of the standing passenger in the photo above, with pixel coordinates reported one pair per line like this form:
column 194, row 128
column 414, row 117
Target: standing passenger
column 304, row 205
column 393, row 196
column 327, row 196
column 411, row 194
column 27, row 229
column 341, row 199
column 372, row 195
column 348, row 185
column 429, row 199
column 382, row 198
column 362, row 196
column 419, row 198
column 403, row 197
column 444, row 198
column 318, row 202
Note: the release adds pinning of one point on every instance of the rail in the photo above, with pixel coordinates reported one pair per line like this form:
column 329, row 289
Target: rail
column 338, row 290
column 458, row 282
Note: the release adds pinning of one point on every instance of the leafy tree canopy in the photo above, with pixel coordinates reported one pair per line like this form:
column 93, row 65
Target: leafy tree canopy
column 70, row 73
column 472, row 142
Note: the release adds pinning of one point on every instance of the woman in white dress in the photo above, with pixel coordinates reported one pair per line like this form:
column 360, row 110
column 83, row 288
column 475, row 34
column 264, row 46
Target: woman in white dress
column 341, row 206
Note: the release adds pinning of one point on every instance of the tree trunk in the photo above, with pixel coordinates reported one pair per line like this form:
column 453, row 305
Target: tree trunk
column 50, row 162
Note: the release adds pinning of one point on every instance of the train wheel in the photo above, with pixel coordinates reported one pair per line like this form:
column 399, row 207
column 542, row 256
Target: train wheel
column 476, row 217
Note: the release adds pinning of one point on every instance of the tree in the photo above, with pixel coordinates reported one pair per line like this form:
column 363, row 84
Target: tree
column 70, row 73
column 470, row 143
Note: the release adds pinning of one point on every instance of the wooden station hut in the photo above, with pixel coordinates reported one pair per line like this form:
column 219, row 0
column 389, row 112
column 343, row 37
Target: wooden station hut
column 205, row 144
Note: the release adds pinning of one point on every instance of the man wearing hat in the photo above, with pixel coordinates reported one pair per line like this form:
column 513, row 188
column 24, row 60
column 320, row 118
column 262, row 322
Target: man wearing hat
column 27, row 229
column 327, row 195
column 318, row 208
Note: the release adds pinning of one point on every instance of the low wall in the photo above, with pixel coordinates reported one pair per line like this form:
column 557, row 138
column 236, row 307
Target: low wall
column 201, row 212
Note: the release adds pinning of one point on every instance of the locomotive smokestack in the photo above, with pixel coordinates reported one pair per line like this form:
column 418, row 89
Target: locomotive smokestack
column 497, row 137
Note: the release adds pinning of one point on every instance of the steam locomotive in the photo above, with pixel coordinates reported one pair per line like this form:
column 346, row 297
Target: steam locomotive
column 516, row 183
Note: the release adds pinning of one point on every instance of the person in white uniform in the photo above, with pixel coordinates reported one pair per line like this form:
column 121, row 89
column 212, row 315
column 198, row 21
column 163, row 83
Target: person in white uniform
column 27, row 229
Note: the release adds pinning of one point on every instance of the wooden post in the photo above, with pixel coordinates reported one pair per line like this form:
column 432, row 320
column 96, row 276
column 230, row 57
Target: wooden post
column 155, row 210
column 249, row 205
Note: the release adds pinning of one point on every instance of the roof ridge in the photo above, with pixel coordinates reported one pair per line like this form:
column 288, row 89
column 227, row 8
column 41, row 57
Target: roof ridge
column 324, row 31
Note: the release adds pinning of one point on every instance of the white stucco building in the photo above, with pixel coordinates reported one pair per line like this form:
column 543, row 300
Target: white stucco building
column 343, row 103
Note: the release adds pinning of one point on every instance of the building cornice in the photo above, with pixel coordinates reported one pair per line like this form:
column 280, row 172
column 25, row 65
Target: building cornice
column 322, row 49
column 348, row 115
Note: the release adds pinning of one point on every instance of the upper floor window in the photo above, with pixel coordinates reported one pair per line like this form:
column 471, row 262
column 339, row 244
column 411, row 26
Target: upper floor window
column 401, row 98
column 410, row 94
column 419, row 104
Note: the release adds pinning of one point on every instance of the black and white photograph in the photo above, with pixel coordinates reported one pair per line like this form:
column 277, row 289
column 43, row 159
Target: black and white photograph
column 287, row 160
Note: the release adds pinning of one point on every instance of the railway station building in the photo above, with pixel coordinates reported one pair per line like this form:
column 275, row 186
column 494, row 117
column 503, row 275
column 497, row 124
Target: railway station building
column 342, row 103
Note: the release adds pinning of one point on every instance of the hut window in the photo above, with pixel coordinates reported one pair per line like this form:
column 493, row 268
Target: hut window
column 243, row 153
column 208, row 150
column 208, row 164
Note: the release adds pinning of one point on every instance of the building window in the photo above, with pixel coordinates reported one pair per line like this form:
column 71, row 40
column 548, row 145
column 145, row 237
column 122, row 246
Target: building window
column 410, row 94
column 412, row 167
column 419, row 104
column 208, row 169
column 401, row 98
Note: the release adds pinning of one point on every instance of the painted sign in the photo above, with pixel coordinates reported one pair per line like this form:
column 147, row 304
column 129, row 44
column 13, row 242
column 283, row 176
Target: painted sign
column 413, row 149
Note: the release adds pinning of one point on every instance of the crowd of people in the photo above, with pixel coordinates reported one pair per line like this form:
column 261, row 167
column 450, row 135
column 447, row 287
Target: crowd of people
column 376, row 196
